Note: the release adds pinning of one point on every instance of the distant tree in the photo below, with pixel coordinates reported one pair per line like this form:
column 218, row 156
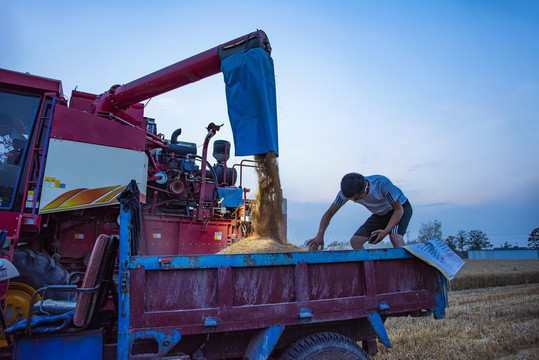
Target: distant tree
column 334, row 243
column 411, row 242
column 507, row 245
column 533, row 240
column 478, row 240
column 461, row 240
column 430, row 230
column 451, row 241
column 338, row 243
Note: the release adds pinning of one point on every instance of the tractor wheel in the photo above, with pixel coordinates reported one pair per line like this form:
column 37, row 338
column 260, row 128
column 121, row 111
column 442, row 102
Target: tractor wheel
column 18, row 299
column 324, row 346
column 35, row 271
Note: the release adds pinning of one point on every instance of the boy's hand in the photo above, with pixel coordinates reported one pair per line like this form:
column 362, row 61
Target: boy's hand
column 316, row 244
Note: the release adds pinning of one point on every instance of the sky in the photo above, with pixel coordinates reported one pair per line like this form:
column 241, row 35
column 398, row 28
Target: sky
column 442, row 97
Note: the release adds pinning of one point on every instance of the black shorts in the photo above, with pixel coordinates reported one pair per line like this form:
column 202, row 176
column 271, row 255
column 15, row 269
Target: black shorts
column 379, row 222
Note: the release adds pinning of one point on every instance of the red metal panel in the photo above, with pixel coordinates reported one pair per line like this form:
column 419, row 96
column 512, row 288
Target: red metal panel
column 9, row 221
column 264, row 315
column 302, row 279
column 265, row 312
column 370, row 278
column 197, row 238
column 77, row 239
column 138, row 298
column 225, row 288
column 408, row 301
column 186, row 289
column 251, row 297
column 157, row 235
column 208, row 191
column 30, row 81
column 399, row 275
column 75, row 125
column 193, row 238
column 256, row 285
column 339, row 280
column 81, row 101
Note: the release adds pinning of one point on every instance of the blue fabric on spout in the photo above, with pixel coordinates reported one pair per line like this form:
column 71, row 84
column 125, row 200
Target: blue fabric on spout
column 252, row 104
column 230, row 197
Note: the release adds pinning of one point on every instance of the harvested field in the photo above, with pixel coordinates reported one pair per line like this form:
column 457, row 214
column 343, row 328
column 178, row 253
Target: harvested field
column 490, row 323
column 482, row 322
column 482, row 273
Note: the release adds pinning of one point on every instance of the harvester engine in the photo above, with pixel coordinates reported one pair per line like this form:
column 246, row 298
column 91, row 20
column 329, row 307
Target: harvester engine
column 177, row 180
column 221, row 152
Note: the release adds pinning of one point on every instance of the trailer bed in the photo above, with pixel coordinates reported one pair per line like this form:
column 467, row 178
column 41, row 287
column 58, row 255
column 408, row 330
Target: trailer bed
column 217, row 294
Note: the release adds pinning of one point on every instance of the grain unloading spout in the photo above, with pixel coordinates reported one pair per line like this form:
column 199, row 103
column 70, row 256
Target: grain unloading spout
column 205, row 64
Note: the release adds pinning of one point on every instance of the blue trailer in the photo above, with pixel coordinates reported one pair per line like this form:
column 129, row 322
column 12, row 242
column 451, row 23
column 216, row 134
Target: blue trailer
column 254, row 306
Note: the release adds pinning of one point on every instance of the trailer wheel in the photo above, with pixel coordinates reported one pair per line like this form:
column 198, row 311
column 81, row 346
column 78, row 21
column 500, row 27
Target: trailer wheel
column 324, row 346
column 35, row 271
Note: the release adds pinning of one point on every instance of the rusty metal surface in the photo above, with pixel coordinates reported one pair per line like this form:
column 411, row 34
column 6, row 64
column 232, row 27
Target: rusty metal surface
column 239, row 292
column 196, row 297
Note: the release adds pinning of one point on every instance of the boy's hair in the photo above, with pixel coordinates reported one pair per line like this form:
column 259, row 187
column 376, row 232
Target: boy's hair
column 352, row 183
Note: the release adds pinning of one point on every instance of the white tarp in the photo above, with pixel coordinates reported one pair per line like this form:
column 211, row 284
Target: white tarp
column 436, row 253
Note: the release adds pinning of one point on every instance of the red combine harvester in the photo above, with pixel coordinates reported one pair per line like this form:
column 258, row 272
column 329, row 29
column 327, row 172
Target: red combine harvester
column 63, row 165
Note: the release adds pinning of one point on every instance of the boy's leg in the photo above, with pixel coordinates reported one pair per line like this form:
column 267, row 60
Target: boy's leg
column 396, row 239
column 357, row 242
column 362, row 234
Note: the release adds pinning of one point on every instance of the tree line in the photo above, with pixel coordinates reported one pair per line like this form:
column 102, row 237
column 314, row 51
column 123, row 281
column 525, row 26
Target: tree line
column 460, row 242
column 466, row 240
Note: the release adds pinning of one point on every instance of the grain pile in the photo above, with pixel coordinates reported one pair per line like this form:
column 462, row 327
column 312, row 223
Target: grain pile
column 255, row 245
column 267, row 214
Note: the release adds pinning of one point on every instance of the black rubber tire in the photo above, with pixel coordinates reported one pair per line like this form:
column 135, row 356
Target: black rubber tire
column 37, row 270
column 325, row 346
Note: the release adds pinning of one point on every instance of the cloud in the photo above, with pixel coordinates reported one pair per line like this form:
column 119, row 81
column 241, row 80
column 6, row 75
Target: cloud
column 428, row 165
column 435, row 205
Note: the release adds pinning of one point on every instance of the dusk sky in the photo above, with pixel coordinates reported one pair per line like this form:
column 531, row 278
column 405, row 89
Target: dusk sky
column 442, row 97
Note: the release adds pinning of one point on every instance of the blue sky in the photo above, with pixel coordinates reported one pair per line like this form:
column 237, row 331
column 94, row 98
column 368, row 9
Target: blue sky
column 440, row 96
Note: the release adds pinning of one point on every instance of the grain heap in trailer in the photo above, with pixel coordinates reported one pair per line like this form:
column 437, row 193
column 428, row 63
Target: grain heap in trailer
column 67, row 167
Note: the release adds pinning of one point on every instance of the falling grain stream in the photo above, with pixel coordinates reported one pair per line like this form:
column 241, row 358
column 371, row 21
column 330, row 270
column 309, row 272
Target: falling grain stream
column 267, row 214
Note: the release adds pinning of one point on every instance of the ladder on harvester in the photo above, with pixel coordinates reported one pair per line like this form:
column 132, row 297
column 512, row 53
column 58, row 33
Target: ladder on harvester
column 38, row 150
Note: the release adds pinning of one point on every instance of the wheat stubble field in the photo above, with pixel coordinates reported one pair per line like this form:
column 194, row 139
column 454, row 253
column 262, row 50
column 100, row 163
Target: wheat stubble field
column 493, row 314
